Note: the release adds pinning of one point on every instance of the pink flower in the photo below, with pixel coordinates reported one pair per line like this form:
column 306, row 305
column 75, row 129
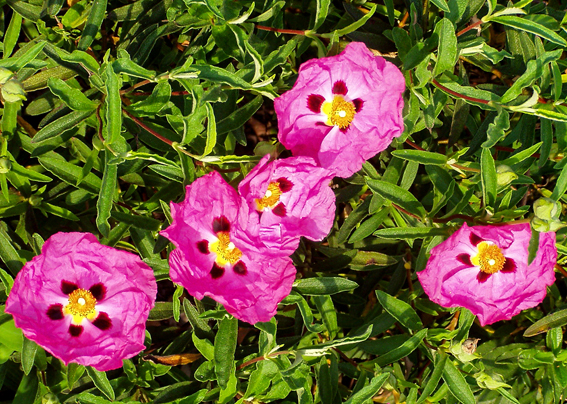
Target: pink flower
column 84, row 302
column 485, row 269
column 342, row 109
column 220, row 253
column 294, row 199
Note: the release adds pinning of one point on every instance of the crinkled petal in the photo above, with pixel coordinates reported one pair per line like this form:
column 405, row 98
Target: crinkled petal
column 80, row 259
column 450, row 282
column 378, row 85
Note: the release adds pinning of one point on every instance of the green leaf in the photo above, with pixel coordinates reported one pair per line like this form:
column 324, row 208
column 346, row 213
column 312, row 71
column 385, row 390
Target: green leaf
column 410, row 232
column 322, row 10
column 101, row 382
column 106, row 196
column 560, row 185
column 161, row 311
column 402, row 351
column 62, row 124
column 400, row 310
column 328, row 313
column 74, row 373
column 366, row 393
column 421, row 157
column 522, row 155
column 497, row 129
column 176, row 303
column 125, row 65
column 9, row 255
column 58, row 211
column 70, row 174
column 533, row 72
column 398, row 196
column 433, row 381
column 225, row 347
column 442, row 5
column 211, row 131
column 322, row 349
column 72, row 97
column 94, row 22
column 323, row 286
column 12, row 35
column 139, row 221
column 524, row 24
column 238, row 118
column 29, row 349
column 488, row 176
column 447, row 53
column 113, row 106
column 354, row 26
column 553, row 320
column 457, row 384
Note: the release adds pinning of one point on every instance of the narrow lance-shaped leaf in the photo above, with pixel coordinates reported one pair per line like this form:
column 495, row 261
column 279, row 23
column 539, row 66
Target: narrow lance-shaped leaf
column 447, row 54
column 225, row 347
column 488, row 176
column 457, row 384
column 101, row 382
column 62, row 124
column 400, row 310
column 211, row 131
column 533, row 27
column 72, row 97
column 94, row 21
column 398, row 196
column 113, row 106
column 106, row 196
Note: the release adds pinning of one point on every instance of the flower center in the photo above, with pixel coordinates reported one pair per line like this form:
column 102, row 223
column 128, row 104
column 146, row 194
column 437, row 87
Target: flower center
column 225, row 249
column 271, row 197
column 81, row 304
column 489, row 258
column 340, row 112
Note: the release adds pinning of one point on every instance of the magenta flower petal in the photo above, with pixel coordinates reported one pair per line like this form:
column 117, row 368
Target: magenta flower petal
column 220, row 252
column 294, row 199
column 485, row 269
column 84, row 302
column 342, row 110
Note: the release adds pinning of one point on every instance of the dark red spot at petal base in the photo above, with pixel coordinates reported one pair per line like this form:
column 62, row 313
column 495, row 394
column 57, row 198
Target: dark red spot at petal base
column 279, row 210
column 285, row 185
column 482, row 276
column 221, row 224
column 509, row 266
column 320, row 124
column 358, row 104
column 314, row 102
column 55, row 312
column 240, row 268
column 344, row 130
column 68, row 287
column 98, row 291
column 75, row 330
column 475, row 240
column 217, row 271
column 465, row 259
column 102, row 322
column 203, row 246
column 340, row 88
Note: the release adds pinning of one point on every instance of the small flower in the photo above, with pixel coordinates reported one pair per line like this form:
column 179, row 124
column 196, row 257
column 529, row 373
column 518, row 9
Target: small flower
column 342, row 110
column 84, row 302
column 293, row 198
column 485, row 269
column 221, row 254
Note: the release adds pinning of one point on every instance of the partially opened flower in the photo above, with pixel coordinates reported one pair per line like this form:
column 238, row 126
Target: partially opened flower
column 84, row 302
column 342, row 109
column 485, row 269
column 294, row 199
column 221, row 254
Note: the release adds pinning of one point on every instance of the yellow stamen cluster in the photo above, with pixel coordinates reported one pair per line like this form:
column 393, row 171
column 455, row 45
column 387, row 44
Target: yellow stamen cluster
column 271, row 197
column 225, row 249
column 82, row 304
column 489, row 258
column 340, row 112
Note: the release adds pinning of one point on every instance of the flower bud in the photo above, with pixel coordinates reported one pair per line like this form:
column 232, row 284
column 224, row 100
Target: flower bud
column 5, row 75
column 35, row 200
column 505, row 175
column 5, row 165
column 546, row 217
column 12, row 91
